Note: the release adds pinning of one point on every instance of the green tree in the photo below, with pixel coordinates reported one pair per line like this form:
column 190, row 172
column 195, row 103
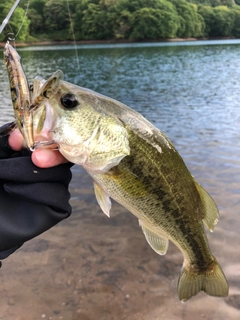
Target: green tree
column 208, row 16
column 96, row 23
column 108, row 3
column 228, row 3
column 214, row 3
column 191, row 23
column 16, row 21
column 55, row 15
column 153, row 23
column 201, row 2
column 77, row 17
column 135, row 5
column 36, row 23
column 57, row 20
column 236, row 22
column 107, row 19
column 36, row 14
column 121, row 24
column 130, row 16
column 222, row 24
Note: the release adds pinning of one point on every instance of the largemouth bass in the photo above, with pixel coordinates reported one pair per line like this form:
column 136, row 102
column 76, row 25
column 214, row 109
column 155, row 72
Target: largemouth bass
column 131, row 162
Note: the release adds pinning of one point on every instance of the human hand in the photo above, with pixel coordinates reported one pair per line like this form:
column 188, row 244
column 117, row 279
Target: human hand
column 42, row 158
column 34, row 193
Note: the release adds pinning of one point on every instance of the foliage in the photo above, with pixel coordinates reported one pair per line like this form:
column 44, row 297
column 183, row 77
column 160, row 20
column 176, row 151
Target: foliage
column 208, row 15
column 215, row 3
column 236, row 23
column 222, row 23
column 15, row 22
column 145, row 19
column 152, row 23
column 55, row 16
column 123, row 19
column 191, row 23
column 95, row 23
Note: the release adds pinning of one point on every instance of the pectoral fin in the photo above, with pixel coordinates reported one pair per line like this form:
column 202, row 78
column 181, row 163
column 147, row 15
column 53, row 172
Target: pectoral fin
column 103, row 199
column 211, row 215
column 158, row 243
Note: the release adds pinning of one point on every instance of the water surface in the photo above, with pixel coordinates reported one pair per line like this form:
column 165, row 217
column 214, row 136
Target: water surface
column 92, row 267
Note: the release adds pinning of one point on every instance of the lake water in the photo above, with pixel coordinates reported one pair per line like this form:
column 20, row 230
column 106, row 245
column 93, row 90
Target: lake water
column 92, row 267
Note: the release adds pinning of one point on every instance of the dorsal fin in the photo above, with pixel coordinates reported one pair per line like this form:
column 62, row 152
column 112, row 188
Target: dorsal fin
column 211, row 214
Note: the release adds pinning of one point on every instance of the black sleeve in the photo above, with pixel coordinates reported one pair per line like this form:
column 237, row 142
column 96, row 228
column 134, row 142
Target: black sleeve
column 32, row 200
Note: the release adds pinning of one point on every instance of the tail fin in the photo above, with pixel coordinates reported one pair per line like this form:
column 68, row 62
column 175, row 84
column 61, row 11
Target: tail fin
column 212, row 281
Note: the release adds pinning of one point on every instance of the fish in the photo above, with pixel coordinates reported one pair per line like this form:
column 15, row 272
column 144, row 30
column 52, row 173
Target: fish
column 132, row 162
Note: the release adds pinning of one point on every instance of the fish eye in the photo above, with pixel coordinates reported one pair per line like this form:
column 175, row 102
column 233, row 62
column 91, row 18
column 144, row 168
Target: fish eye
column 69, row 101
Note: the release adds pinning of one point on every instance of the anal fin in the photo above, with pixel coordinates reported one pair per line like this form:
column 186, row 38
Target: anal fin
column 157, row 242
column 103, row 199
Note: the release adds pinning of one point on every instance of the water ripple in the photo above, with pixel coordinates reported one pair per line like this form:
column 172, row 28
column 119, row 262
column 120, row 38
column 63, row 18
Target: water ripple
column 189, row 92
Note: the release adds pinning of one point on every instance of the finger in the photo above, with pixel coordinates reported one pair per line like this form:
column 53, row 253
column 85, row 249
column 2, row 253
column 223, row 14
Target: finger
column 45, row 158
column 15, row 140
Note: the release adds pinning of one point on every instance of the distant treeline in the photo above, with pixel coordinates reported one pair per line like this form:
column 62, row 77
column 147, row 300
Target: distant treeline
column 121, row 19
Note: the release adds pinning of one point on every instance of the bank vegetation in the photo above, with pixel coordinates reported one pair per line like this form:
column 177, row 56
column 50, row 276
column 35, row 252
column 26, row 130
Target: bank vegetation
column 58, row 20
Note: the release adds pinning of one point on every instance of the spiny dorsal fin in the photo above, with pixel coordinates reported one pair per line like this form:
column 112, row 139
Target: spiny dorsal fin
column 211, row 214
column 158, row 243
column 103, row 199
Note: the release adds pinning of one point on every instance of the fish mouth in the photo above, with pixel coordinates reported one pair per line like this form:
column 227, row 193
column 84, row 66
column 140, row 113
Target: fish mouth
column 43, row 127
column 43, row 113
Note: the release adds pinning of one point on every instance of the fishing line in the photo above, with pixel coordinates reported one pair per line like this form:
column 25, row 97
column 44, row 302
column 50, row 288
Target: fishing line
column 73, row 34
column 25, row 15
column 5, row 21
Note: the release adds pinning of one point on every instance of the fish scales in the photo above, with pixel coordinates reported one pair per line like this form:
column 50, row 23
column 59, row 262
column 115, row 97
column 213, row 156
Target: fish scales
column 132, row 162
column 145, row 173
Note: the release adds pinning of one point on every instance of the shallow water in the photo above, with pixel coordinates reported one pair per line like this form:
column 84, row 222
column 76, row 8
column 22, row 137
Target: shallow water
column 91, row 267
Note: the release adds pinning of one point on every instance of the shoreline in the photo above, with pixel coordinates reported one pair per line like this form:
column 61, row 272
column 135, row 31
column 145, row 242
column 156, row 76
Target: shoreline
column 113, row 41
